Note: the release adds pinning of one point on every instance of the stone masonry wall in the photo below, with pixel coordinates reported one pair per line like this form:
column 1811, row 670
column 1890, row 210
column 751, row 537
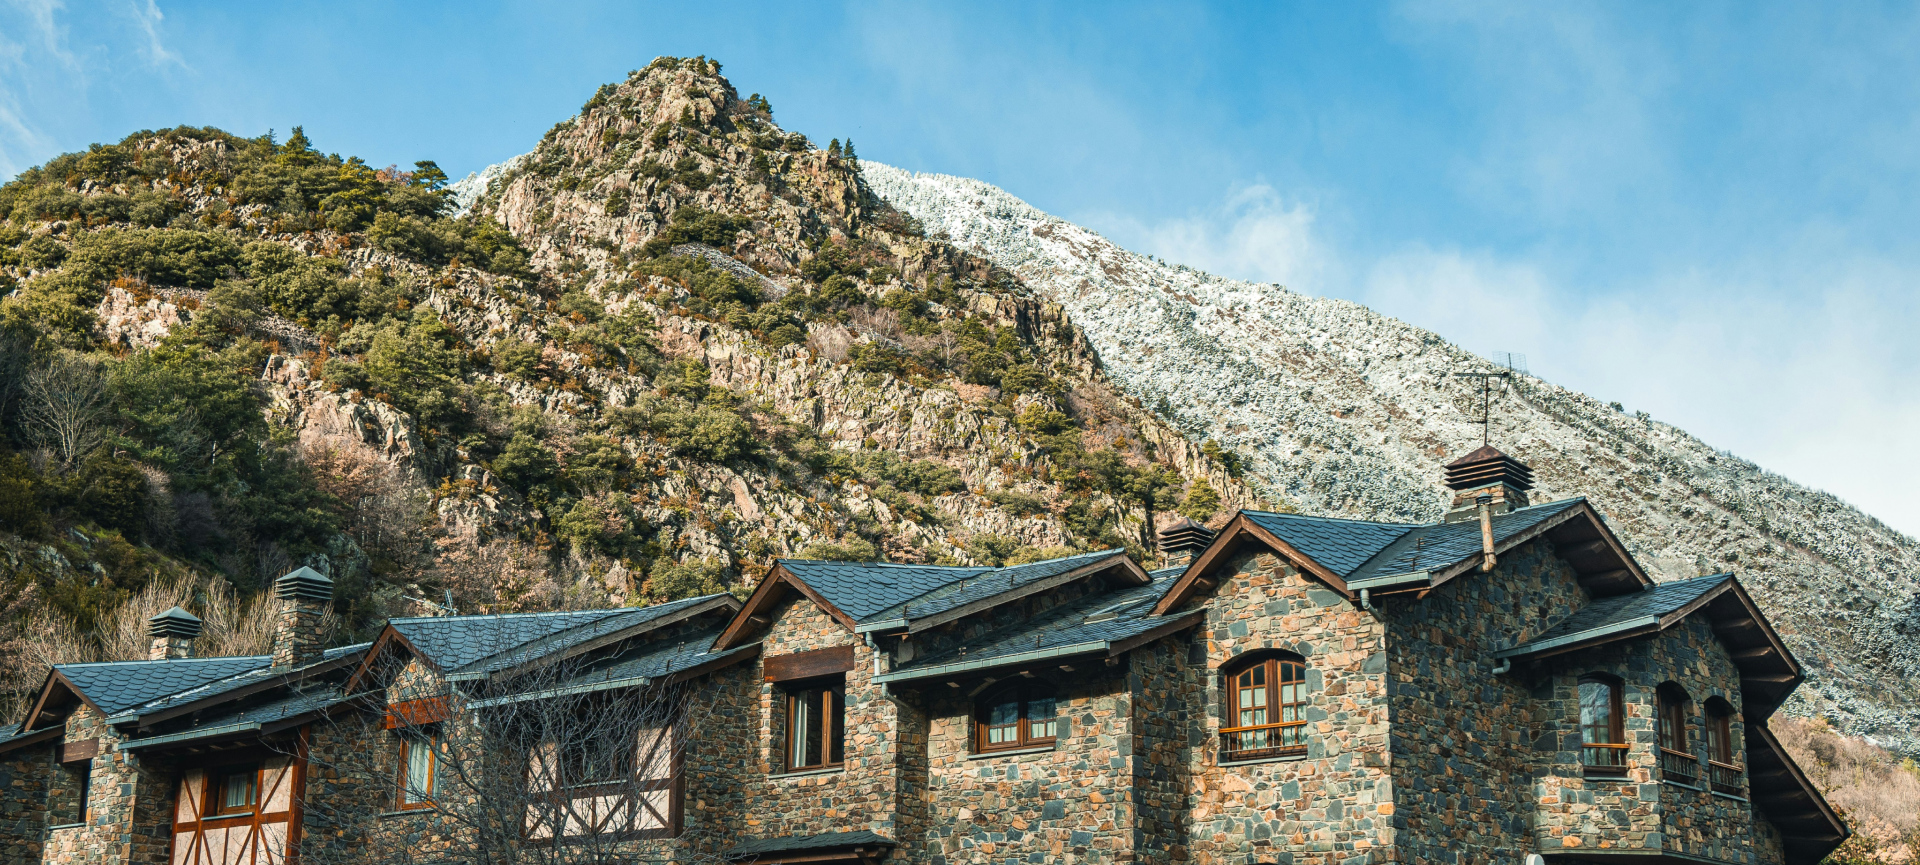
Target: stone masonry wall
column 127, row 805
column 26, row 775
column 1163, row 753
column 1463, row 753
column 1069, row 803
column 1641, row 811
column 1335, row 805
column 862, row 793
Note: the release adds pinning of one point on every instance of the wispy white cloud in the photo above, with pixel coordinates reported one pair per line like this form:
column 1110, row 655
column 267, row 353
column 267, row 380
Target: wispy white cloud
column 146, row 16
column 1252, row 233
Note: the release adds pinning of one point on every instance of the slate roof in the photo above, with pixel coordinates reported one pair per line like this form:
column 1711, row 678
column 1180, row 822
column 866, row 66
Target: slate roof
column 287, row 707
column 1356, row 549
column 1109, row 617
column 221, row 686
column 1340, row 545
column 628, row 668
column 1622, row 612
column 790, row 843
column 561, row 640
column 454, row 642
column 985, row 583
column 864, row 589
column 1436, row 546
column 114, row 686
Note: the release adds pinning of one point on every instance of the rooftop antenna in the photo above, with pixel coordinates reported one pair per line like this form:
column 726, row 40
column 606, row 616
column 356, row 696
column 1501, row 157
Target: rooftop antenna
column 1509, row 364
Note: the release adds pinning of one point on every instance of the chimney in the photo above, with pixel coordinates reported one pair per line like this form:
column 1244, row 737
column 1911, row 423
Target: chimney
column 172, row 632
column 304, row 595
column 1182, row 541
column 1488, row 473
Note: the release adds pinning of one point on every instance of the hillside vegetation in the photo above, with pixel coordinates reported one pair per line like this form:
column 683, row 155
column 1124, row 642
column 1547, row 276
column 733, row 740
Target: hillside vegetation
column 672, row 343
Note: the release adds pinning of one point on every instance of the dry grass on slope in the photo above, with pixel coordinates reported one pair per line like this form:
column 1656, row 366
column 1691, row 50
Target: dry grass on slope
column 1877, row 791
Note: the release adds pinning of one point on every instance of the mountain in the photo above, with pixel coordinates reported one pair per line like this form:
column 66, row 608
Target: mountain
column 666, row 346
column 1348, row 412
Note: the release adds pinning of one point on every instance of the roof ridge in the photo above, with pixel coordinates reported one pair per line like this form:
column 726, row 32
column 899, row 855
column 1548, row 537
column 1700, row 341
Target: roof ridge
column 1300, row 516
column 162, row 661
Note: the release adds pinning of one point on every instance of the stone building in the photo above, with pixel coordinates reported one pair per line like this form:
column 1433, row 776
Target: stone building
column 1504, row 684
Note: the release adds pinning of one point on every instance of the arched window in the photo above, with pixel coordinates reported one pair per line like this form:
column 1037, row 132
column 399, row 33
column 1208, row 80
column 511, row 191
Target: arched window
column 1603, row 746
column 1726, row 774
column 1266, row 709
column 1020, row 716
column 1677, row 761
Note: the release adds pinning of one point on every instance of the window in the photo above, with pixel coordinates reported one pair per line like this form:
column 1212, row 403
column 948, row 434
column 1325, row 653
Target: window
column 1677, row 762
column 1603, row 747
column 239, row 790
column 67, row 800
column 1725, row 773
column 597, row 761
column 1022, row 716
column 816, row 725
column 1267, row 709
column 417, row 768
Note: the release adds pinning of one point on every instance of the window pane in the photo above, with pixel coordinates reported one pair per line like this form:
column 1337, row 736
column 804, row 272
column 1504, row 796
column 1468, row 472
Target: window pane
column 804, row 727
column 419, row 770
column 239, row 791
column 1040, row 718
column 1596, row 712
column 1003, row 723
column 837, row 714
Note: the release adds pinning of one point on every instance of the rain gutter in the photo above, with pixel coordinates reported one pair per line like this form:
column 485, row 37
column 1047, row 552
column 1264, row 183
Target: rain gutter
column 1574, row 639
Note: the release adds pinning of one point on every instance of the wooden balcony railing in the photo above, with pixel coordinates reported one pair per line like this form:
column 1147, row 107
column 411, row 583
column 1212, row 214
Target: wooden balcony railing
column 1726, row 778
column 1263, row 740
column 1604, row 758
column 1679, row 767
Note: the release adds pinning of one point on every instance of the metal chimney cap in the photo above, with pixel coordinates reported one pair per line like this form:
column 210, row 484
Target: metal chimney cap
column 305, row 584
column 174, row 623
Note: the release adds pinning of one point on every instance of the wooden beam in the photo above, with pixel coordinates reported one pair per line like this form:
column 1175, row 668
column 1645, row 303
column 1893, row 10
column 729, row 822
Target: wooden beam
column 1587, row 549
column 1752, row 654
column 1606, row 576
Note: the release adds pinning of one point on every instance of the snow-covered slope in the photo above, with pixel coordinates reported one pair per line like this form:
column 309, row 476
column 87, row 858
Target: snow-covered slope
column 1350, row 413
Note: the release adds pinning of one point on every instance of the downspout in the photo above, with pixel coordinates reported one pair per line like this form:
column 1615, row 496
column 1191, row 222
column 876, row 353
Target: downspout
column 876, row 663
column 1501, row 668
column 1486, row 531
column 1366, row 602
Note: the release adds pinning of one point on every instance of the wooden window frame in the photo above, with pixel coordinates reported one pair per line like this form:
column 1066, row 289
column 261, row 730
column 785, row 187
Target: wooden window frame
column 1280, row 671
column 1678, row 763
column 1615, row 747
column 1023, row 694
column 833, row 727
column 1725, row 775
column 411, row 738
column 217, row 802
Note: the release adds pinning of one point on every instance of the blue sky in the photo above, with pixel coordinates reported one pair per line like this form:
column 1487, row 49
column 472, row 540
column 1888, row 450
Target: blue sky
column 1704, row 211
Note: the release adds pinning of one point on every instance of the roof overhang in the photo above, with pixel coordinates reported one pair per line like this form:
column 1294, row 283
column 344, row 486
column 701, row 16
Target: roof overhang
column 1581, row 538
column 1579, row 535
column 1810, row 827
column 34, row 738
column 1768, row 671
column 56, row 692
column 757, row 612
column 718, row 602
column 1119, row 567
column 720, row 660
column 267, row 683
column 1199, row 576
column 1106, row 648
